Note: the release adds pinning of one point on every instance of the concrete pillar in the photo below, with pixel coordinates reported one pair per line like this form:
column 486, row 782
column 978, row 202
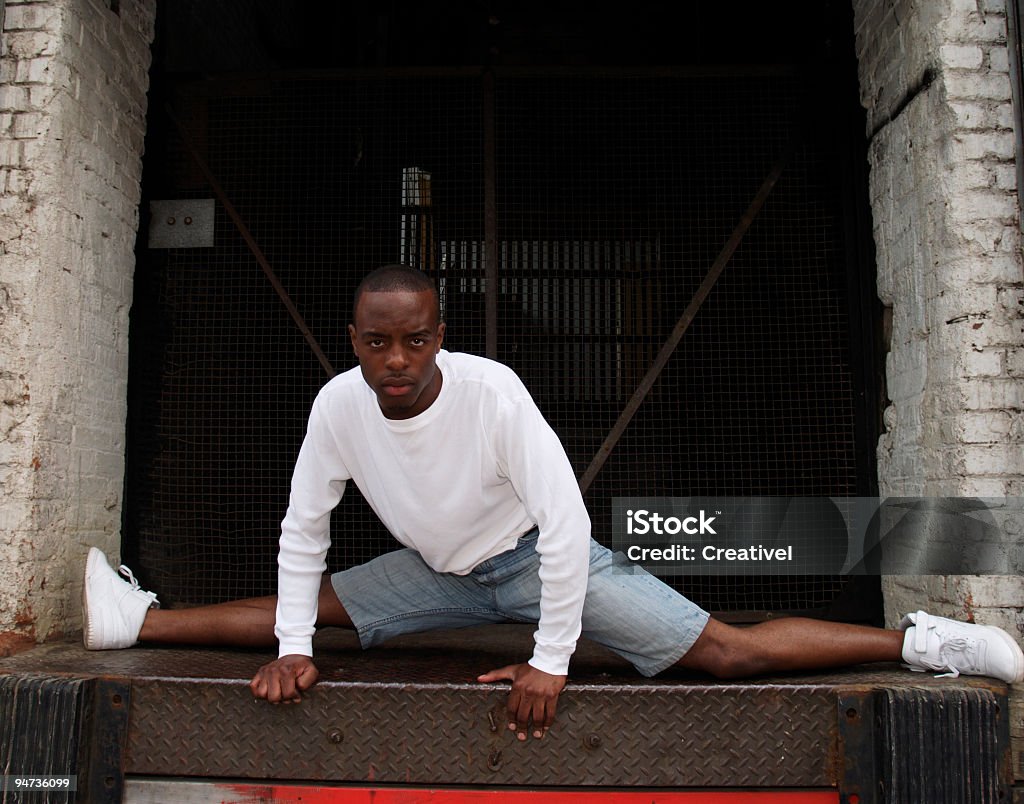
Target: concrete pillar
column 73, row 82
column 934, row 77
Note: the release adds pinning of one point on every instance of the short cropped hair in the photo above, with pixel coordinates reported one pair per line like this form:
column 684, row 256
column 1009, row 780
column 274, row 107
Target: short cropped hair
column 395, row 278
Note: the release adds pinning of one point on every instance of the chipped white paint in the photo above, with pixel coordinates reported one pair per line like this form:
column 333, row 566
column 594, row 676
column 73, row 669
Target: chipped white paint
column 73, row 83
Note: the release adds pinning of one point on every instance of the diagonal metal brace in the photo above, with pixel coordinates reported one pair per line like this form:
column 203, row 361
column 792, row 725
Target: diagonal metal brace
column 684, row 322
column 250, row 241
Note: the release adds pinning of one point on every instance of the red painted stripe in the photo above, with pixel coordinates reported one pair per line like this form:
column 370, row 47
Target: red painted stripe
column 296, row 794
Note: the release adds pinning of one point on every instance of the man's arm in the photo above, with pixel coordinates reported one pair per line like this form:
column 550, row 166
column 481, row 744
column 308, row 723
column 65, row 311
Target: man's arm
column 318, row 482
column 533, row 459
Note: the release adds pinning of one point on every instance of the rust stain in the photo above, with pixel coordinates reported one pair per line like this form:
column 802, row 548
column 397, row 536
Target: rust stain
column 24, row 615
column 969, row 608
column 24, row 635
column 834, row 755
column 12, row 642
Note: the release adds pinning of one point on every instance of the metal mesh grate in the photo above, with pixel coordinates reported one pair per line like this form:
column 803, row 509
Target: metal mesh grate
column 613, row 196
column 617, row 218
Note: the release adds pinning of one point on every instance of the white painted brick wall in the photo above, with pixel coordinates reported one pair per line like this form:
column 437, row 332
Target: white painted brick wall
column 946, row 211
column 945, row 206
column 72, row 120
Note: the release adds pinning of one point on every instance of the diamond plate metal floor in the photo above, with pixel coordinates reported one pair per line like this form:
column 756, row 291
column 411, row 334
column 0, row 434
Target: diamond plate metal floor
column 412, row 713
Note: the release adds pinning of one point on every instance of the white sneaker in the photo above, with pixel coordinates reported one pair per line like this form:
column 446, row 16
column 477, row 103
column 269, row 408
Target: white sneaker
column 936, row 643
column 112, row 608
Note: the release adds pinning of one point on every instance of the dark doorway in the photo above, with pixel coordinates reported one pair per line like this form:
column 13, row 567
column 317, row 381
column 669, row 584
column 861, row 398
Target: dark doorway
column 602, row 174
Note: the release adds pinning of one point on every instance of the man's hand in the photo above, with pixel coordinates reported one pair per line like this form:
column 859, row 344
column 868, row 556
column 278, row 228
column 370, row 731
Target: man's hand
column 534, row 696
column 282, row 680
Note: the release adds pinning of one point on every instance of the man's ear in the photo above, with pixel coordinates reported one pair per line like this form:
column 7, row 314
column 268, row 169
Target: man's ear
column 440, row 336
column 352, row 338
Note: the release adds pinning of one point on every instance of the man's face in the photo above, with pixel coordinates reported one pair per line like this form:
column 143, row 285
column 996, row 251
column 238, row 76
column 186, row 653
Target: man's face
column 396, row 336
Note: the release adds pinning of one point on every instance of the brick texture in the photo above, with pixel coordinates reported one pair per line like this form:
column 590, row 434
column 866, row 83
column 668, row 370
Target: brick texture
column 73, row 83
column 934, row 80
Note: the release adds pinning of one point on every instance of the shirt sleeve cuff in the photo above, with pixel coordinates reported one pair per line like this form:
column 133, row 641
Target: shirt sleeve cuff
column 299, row 645
column 554, row 661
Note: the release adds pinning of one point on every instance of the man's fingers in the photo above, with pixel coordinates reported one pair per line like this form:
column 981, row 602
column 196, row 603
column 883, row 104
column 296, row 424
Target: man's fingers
column 507, row 673
column 537, row 714
column 288, row 691
column 284, row 680
column 262, row 685
column 532, row 699
column 524, row 711
column 544, row 716
column 273, row 689
column 267, row 684
column 501, row 674
column 522, row 716
column 307, row 677
column 258, row 685
column 296, row 683
column 517, row 709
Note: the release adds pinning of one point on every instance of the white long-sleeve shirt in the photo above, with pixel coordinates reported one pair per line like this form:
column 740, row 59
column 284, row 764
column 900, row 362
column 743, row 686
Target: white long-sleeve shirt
column 459, row 483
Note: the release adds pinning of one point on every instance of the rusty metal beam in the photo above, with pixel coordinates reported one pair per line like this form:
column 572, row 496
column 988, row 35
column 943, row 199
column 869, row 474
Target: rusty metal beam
column 250, row 241
column 105, row 735
column 684, row 322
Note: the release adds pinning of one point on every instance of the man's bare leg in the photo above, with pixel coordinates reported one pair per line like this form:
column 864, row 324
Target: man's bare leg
column 245, row 623
column 790, row 643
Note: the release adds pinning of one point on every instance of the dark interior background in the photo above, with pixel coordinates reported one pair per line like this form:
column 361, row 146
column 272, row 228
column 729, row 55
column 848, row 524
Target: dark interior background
column 625, row 148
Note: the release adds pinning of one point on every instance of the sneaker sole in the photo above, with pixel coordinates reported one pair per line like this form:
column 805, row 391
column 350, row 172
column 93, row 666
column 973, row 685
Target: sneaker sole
column 1018, row 654
column 88, row 637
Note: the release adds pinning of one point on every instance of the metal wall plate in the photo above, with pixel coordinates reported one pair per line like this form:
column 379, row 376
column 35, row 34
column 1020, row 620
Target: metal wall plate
column 181, row 223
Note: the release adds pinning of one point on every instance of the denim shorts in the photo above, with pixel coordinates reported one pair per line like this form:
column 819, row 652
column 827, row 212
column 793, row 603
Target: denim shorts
column 627, row 609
